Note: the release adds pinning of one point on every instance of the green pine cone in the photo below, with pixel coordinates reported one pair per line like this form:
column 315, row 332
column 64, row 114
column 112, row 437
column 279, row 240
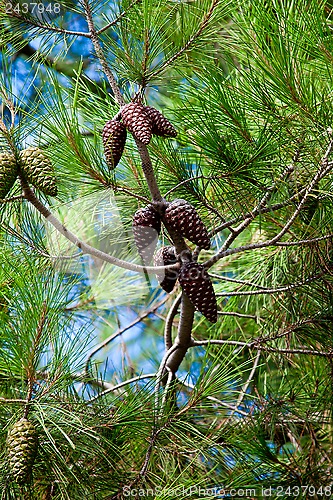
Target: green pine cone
column 22, row 443
column 39, row 171
column 8, row 173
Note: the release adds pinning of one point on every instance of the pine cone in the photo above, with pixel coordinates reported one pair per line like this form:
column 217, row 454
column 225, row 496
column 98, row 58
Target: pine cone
column 8, row 173
column 146, row 228
column 114, row 138
column 22, row 444
column 164, row 257
column 160, row 125
column 195, row 282
column 183, row 218
column 39, row 171
column 137, row 121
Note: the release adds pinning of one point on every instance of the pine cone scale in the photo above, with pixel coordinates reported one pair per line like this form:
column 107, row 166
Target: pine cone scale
column 22, row 444
column 8, row 173
column 137, row 121
column 184, row 219
column 160, row 125
column 195, row 282
column 166, row 256
column 114, row 138
column 146, row 229
column 39, row 171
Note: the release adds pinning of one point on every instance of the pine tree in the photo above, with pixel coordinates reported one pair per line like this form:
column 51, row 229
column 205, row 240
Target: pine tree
column 115, row 385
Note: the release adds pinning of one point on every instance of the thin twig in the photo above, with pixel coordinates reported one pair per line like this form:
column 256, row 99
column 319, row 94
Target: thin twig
column 187, row 45
column 122, row 384
column 48, row 27
column 309, row 352
column 31, row 360
column 303, row 242
column 247, row 221
column 84, row 247
column 269, row 291
column 247, row 383
column 100, row 54
column 118, row 18
column 13, row 198
column 254, row 345
column 120, row 331
column 237, row 315
column 326, row 167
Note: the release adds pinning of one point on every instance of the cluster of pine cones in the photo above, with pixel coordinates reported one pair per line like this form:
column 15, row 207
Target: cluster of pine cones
column 182, row 217
column 22, row 445
column 34, row 165
column 142, row 121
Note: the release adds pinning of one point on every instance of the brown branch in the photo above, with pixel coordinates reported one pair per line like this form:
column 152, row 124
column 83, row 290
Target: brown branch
column 237, row 315
column 100, row 54
column 326, row 167
column 13, row 198
column 84, row 247
column 269, row 291
column 303, row 242
column 253, row 345
column 183, row 339
column 169, row 321
column 148, row 171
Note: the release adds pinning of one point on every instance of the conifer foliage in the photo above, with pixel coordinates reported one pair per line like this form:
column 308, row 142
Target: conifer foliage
column 166, row 249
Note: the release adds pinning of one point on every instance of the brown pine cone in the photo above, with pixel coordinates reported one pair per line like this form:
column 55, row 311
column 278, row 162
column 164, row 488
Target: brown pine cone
column 184, row 219
column 114, row 138
column 137, row 121
column 146, row 229
column 195, row 282
column 160, row 125
column 166, row 256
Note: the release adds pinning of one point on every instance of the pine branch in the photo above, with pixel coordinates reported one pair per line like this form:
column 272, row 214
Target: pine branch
column 47, row 27
column 258, row 210
column 203, row 25
column 325, row 168
column 118, row 18
column 183, row 340
column 31, row 360
column 270, row 291
column 237, row 315
column 120, row 331
column 253, row 345
column 84, row 247
column 169, row 322
column 245, row 386
column 100, row 54
column 116, row 387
